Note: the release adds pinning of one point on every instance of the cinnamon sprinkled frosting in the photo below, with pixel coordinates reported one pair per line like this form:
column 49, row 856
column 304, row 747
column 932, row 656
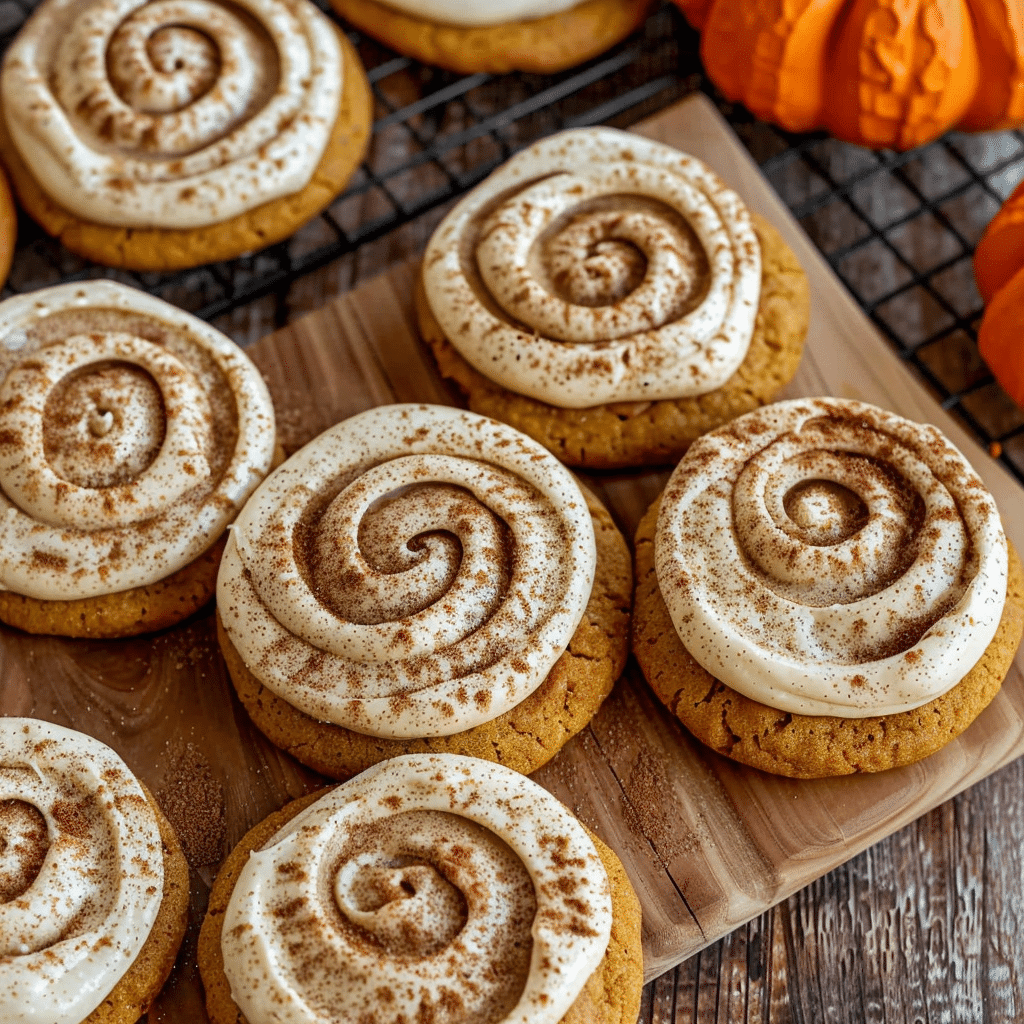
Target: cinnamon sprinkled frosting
column 130, row 434
column 81, row 872
column 414, row 571
column 598, row 267
column 172, row 113
column 826, row 557
column 431, row 887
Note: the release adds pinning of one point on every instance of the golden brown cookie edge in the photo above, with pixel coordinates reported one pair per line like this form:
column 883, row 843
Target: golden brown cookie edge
column 125, row 613
column 541, row 45
column 806, row 746
column 132, row 995
column 565, row 702
column 625, row 434
column 168, row 249
column 614, row 988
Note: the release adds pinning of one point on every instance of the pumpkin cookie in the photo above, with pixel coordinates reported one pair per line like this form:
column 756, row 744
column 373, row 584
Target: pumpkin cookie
column 863, row 607
column 414, row 866
column 423, row 579
column 130, row 435
column 610, row 297
column 184, row 141
column 114, row 878
column 497, row 37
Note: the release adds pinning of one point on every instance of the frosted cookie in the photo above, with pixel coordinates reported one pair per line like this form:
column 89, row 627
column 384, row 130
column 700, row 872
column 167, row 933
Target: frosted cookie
column 496, row 36
column 419, row 578
column 610, row 297
column 825, row 588
column 431, row 887
column 130, row 435
column 165, row 134
column 93, row 883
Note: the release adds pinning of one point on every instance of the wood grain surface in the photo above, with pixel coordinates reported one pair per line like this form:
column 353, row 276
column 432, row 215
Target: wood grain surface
column 709, row 844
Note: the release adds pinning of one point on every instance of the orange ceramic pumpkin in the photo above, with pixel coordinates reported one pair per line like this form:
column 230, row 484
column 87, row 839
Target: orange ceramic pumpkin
column 999, row 271
column 881, row 73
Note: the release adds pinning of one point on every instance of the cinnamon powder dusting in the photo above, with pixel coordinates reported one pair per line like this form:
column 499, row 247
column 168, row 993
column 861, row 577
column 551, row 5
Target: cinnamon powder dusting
column 193, row 801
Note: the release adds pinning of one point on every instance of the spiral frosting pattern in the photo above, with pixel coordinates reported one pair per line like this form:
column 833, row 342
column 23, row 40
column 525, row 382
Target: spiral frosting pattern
column 431, row 887
column 130, row 434
column 598, row 267
column 172, row 113
column 414, row 571
column 827, row 557
column 81, row 872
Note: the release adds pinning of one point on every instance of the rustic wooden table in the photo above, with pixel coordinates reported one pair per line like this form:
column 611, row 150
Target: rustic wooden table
column 921, row 926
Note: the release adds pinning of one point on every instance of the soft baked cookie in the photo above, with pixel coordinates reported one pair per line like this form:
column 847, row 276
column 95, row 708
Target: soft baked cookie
column 497, row 36
column 164, row 135
column 419, row 578
column 843, row 598
column 610, row 297
column 94, row 883
column 441, row 867
column 130, row 435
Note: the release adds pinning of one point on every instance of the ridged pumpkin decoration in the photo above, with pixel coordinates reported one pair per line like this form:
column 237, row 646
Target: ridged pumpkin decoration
column 999, row 272
column 881, row 73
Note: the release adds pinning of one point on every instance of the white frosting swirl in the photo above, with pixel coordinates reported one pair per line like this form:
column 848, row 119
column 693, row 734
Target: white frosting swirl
column 130, row 434
column 597, row 267
column 481, row 12
column 171, row 113
column 457, row 887
column 81, row 872
column 826, row 557
column 414, row 571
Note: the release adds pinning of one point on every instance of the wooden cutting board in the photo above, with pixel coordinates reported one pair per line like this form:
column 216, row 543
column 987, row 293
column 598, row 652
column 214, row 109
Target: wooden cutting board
column 707, row 843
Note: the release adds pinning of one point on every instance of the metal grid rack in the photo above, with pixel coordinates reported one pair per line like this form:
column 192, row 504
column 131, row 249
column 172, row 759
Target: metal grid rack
column 899, row 229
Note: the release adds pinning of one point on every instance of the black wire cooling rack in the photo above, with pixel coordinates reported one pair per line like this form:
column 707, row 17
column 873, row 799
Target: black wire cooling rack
column 899, row 229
